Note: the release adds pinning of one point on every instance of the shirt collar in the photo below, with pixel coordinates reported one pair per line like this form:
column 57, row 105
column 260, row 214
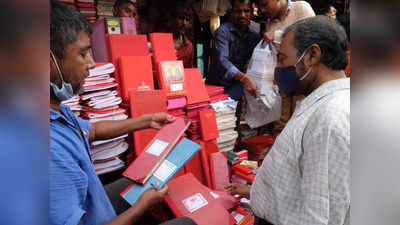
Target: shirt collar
column 325, row 89
column 54, row 115
column 232, row 28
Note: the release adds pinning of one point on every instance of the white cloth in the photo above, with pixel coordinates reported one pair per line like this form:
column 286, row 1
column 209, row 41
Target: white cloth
column 305, row 178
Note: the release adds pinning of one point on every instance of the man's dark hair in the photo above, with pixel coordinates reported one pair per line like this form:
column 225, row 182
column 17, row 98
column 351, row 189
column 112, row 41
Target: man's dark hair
column 118, row 3
column 241, row 1
column 327, row 33
column 65, row 25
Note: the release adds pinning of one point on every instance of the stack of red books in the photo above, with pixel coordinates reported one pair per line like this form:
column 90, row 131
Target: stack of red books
column 74, row 104
column 88, row 9
column 258, row 146
column 198, row 100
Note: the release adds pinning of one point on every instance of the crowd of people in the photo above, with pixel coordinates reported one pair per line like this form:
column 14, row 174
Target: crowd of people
column 304, row 179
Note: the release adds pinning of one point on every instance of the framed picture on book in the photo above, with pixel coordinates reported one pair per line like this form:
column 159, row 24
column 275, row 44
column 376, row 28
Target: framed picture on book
column 172, row 78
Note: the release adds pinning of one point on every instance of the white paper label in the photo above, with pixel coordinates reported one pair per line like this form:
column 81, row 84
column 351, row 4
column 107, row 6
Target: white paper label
column 165, row 170
column 238, row 217
column 194, row 202
column 176, row 87
column 214, row 195
column 157, row 147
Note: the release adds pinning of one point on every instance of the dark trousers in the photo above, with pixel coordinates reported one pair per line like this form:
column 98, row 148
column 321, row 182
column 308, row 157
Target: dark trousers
column 113, row 191
column 259, row 221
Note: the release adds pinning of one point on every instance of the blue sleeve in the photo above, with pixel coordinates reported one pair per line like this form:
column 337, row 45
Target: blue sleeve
column 221, row 43
column 67, row 188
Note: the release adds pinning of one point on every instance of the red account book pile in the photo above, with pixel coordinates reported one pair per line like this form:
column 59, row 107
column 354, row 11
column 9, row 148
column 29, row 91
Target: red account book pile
column 99, row 103
column 70, row 3
column 73, row 103
column 198, row 100
column 87, row 8
column 225, row 109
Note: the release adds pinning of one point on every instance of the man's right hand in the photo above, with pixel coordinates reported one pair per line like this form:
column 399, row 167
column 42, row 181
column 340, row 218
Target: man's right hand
column 151, row 196
column 238, row 189
column 250, row 86
column 268, row 37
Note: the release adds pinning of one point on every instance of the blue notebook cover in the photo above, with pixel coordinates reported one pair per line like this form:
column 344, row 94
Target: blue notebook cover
column 175, row 160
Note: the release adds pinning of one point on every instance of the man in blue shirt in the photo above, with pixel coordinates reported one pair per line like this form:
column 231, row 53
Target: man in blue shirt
column 75, row 192
column 233, row 47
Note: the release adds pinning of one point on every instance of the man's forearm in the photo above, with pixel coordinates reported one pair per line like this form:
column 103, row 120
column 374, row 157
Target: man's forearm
column 131, row 215
column 111, row 129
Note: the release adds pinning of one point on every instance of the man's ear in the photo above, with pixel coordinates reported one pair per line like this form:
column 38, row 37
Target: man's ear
column 313, row 56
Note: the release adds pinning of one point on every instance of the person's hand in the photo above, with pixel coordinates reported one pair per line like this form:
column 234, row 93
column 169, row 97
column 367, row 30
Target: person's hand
column 238, row 189
column 160, row 119
column 268, row 37
column 250, row 86
column 151, row 196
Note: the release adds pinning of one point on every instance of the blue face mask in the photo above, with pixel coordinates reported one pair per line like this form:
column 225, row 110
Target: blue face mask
column 286, row 77
column 66, row 91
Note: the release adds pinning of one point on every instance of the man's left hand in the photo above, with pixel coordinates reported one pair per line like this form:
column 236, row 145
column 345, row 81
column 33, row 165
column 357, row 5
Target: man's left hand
column 160, row 119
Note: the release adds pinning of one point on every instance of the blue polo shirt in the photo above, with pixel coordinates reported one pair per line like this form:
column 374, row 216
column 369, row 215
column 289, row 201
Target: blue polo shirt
column 75, row 191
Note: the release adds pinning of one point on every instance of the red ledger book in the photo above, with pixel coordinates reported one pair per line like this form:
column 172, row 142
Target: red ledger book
column 219, row 171
column 197, row 92
column 135, row 73
column 145, row 102
column 156, row 151
column 208, row 125
column 196, row 202
column 162, row 45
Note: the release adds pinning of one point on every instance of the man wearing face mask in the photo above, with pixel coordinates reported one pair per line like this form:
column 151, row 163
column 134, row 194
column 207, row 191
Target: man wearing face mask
column 305, row 178
column 76, row 195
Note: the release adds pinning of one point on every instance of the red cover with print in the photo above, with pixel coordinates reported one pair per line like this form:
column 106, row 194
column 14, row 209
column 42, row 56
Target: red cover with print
column 196, row 202
column 208, row 125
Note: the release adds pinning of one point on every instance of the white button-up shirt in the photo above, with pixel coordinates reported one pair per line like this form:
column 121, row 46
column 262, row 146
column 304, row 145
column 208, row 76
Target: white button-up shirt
column 305, row 178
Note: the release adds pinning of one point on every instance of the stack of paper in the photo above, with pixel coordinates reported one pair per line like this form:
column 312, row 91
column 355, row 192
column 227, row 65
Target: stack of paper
column 87, row 8
column 99, row 103
column 106, row 154
column 73, row 103
column 226, row 123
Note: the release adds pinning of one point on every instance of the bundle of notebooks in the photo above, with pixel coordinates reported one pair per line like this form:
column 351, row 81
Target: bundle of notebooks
column 88, row 9
column 258, row 146
column 70, row 3
column 176, row 105
column 226, row 123
column 216, row 93
column 198, row 100
column 197, row 202
column 74, row 104
column 106, row 154
column 99, row 103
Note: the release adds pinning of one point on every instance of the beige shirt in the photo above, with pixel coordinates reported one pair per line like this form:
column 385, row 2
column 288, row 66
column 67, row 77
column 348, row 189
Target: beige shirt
column 297, row 11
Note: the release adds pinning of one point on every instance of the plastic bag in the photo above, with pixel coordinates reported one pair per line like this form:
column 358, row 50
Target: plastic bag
column 267, row 106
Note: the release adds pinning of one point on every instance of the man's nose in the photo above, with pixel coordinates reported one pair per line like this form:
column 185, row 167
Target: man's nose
column 91, row 62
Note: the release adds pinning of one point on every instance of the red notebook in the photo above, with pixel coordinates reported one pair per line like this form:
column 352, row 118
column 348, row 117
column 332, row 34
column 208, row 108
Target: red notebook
column 135, row 73
column 205, row 162
column 145, row 102
column 208, row 125
column 156, row 151
column 195, row 167
column 196, row 202
column 197, row 92
column 211, row 146
column 125, row 45
column 171, row 78
column 219, row 171
column 162, row 45
column 214, row 90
